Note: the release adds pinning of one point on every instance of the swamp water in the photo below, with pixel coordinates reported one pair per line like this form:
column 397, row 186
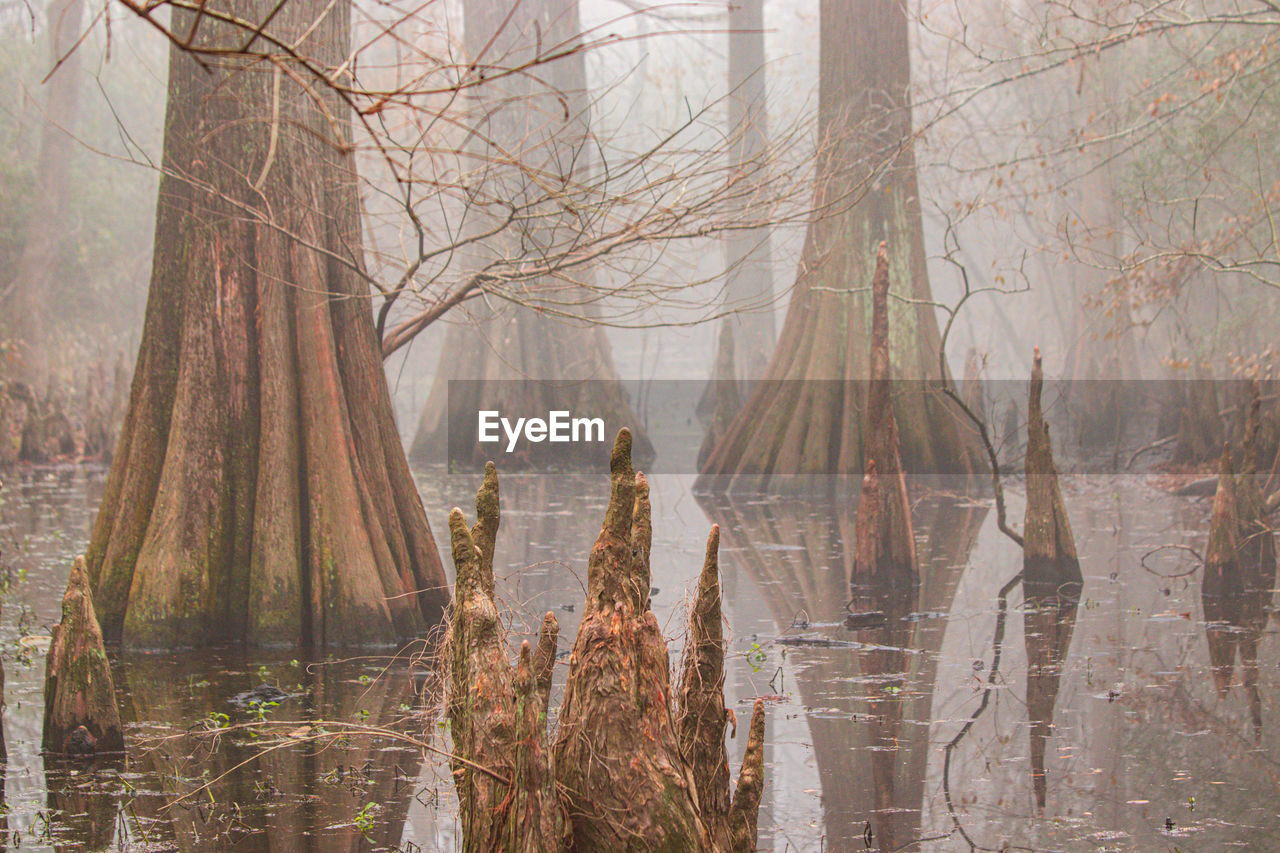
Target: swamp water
column 1143, row 753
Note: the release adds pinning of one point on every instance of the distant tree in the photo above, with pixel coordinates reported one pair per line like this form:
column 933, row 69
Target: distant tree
column 749, row 280
column 809, row 415
column 27, row 299
column 530, row 146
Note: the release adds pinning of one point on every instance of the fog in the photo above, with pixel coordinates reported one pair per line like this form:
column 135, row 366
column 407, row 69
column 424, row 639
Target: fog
column 785, row 245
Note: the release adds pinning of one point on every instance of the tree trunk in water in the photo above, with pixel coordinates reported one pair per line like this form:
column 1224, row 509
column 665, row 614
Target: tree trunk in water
column 1257, row 556
column 748, row 258
column 793, row 424
column 1222, row 591
column 885, row 553
column 259, row 492
column 722, row 398
column 634, row 767
column 875, row 767
column 78, row 690
column 570, row 361
column 1200, row 431
column 30, row 305
column 1257, row 536
column 1051, row 583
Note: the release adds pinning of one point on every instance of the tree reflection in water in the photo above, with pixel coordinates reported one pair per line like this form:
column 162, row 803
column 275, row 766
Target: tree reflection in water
column 348, row 793
column 869, row 696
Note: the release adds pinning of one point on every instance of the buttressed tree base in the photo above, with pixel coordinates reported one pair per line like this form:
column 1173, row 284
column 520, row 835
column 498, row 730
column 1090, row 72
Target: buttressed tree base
column 635, row 765
column 259, row 493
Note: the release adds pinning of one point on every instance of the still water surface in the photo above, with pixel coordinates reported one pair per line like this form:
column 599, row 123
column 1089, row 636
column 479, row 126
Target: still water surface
column 1140, row 751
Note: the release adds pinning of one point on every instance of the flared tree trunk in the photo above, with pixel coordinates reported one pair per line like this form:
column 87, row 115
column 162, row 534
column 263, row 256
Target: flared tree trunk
column 260, row 492
column 529, row 144
column 866, row 194
column 1238, row 584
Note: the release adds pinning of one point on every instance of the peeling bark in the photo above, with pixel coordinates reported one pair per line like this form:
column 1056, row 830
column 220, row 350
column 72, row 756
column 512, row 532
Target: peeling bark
column 635, row 766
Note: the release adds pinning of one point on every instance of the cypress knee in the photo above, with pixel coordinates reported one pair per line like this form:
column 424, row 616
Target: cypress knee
column 1051, row 582
column 80, row 714
column 634, row 767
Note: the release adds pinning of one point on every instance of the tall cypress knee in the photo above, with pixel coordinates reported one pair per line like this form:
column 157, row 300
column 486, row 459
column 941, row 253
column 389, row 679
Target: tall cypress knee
column 1051, row 582
column 636, row 765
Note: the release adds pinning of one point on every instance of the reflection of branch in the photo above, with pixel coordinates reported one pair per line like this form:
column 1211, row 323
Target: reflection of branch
column 1187, row 548
column 997, row 641
column 1002, row 598
column 318, row 733
column 947, row 389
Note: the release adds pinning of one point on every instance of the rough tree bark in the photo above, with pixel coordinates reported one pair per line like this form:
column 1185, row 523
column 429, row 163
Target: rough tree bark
column 78, row 688
column 636, row 765
column 1051, row 583
column 886, row 550
column 259, row 492
column 527, row 127
column 793, row 424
